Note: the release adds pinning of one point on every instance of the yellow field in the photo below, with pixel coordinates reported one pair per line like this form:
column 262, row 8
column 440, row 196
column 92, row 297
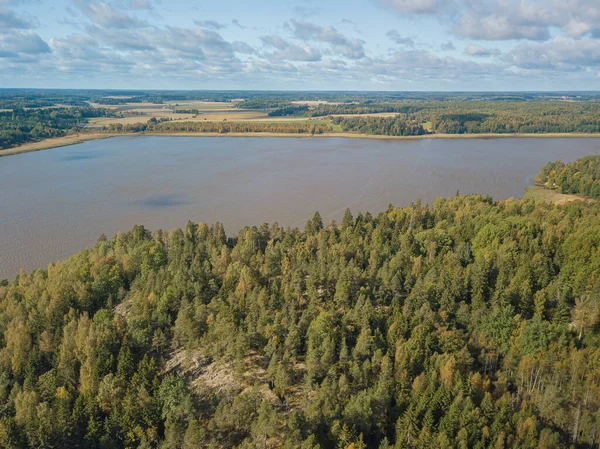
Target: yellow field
column 374, row 114
column 231, row 115
column 313, row 103
column 201, row 105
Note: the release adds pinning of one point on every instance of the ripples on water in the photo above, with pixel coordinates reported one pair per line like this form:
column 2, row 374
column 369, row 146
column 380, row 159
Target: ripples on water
column 55, row 203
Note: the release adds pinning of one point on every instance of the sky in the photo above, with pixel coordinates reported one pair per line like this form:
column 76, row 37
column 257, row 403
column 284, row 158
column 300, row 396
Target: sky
column 397, row 45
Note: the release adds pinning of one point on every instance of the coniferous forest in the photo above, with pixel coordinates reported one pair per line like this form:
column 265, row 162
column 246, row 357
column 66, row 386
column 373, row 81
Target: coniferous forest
column 467, row 323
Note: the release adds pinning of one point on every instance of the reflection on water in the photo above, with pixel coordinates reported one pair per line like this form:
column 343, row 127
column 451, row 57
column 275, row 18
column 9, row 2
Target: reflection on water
column 161, row 201
column 54, row 203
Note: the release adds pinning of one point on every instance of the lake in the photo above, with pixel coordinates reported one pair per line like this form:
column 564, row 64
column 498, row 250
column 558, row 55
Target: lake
column 55, row 203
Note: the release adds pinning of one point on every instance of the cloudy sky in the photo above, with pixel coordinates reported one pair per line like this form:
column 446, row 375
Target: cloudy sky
column 301, row 44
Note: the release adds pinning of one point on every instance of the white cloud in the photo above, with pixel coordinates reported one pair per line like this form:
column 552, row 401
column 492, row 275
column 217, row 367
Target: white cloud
column 561, row 53
column 432, row 7
column 507, row 19
column 346, row 47
column 477, row 51
column 23, row 42
column 285, row 50
column 9, row 20
column 105, row 14
column 397, row 38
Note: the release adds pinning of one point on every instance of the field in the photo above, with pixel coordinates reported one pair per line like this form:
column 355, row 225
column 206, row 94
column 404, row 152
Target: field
column 541, row 193
column 133, row 113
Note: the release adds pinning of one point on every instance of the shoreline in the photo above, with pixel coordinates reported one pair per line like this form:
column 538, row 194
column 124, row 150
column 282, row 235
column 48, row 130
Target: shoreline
column 55, row 142
column 75, row 139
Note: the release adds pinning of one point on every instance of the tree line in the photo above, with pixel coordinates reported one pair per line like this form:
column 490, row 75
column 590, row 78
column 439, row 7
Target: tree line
column 467, row 323
column 399, row 125
column 19, row 126
column 157, row 126
column 484, row 116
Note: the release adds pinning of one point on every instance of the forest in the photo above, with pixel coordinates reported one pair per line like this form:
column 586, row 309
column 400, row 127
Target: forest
column 579, row 177
column 467, row 323
column 19, row 126
column 478, row 117
column 398, row 125
column 224, row 127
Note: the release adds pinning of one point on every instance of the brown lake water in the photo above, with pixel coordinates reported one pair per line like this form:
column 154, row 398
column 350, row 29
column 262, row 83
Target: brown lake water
column 55, row 203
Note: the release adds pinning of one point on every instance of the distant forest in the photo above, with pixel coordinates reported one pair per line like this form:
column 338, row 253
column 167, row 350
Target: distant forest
column 31, row 115
column 384, row 126
column 467, row 323
column 169, row 127
column 19, row 126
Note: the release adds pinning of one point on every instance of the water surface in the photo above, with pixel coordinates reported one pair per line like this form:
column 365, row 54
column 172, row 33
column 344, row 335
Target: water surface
column 56, row 202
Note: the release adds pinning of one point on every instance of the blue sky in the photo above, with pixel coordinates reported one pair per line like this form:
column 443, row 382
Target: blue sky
column 301, row 45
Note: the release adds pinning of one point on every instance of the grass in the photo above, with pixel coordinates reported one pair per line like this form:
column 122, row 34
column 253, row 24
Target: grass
column 233, row 115
column 543, row 194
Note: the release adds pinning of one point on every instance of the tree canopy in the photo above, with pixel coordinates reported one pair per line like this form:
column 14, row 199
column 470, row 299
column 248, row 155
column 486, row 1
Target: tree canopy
column 579, row 177
column 469, row 323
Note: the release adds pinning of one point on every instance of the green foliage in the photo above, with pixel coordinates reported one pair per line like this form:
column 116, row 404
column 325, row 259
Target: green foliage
column 19, row 126
column 468, row 323
column 222, row 127
column 579, row 177
column 399, row 125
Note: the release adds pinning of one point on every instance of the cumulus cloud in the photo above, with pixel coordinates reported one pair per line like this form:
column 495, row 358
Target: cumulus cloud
column 503, row 24
column 106, row 15
column 397, row 38
column 9, row 20
column 76, row 50
column 480, row 52
column 349, row 48
column 139, row 4
column 418, row 65
column 507, row 19
column 559, row 54
column 432, row 7
column 285, row 50
column 123, row 40
column 23, row 42
column 552, row 38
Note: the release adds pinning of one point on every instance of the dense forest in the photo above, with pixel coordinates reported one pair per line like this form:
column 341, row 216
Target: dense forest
column 221, row 127
column 18, row 126
column 513, row 117
column 579, row 177
column 477, row 117
column 361, row 108
column 399, row 125
column 469, row 323
column 289, row 110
